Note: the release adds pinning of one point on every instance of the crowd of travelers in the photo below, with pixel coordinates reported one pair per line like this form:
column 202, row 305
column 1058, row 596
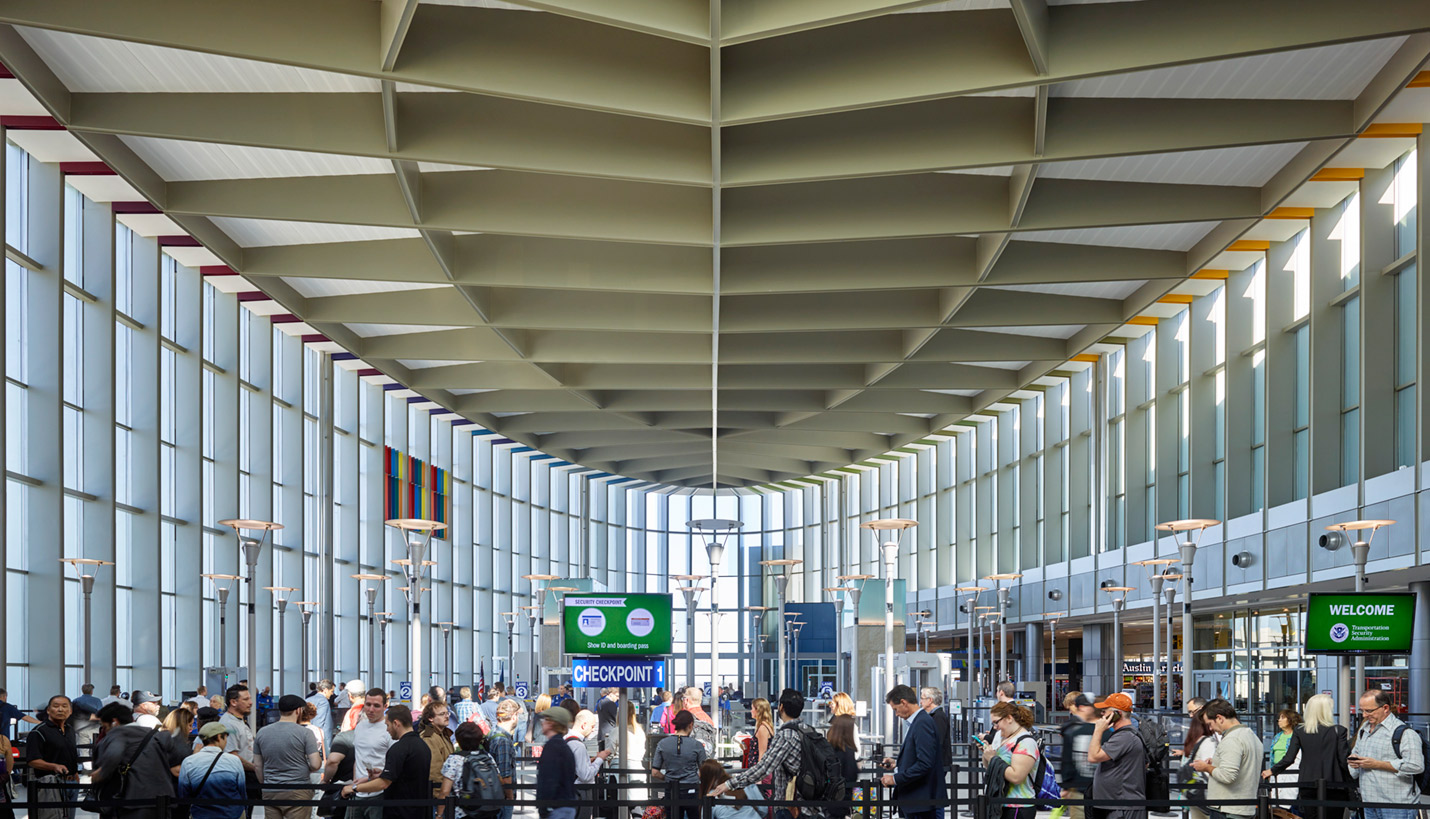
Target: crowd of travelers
column 361, row 756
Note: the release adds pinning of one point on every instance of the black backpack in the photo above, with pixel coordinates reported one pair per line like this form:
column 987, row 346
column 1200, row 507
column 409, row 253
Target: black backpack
column 820, row 777
column 1422, row 779
column 1154, row 741
column 481, row 783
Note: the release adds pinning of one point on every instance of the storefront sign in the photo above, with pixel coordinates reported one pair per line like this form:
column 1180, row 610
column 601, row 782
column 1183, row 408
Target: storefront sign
column 1144, row 667
column 1359, row 623
column 589, row 672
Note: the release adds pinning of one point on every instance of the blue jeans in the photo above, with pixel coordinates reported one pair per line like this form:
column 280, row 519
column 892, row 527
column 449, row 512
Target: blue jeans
column 1389, row 813
column 506, row 812
column 562, row 813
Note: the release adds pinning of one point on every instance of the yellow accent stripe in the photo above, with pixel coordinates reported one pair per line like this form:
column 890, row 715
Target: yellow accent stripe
column 1421, row 80
column 1291, row 213
column 1085, row 358
column 1175, row 298
column 1338, row 175
column 1145, row 321
column 1250, row 245
column 1211, row 273
column 1392, row 130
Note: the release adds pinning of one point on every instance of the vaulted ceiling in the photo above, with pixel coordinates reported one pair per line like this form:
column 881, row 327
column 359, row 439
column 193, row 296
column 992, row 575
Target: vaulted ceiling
column 737, row 240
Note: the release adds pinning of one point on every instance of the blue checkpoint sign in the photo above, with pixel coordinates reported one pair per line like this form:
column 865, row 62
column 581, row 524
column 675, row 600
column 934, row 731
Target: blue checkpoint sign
column 826, row 690
column 594, row 672
column 707, row 689
column 522, row 690
column 404, row 691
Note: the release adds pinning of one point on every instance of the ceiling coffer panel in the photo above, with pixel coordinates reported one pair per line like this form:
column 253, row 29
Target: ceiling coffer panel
column 885, row 216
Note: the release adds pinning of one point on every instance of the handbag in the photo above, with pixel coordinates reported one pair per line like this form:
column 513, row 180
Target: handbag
column 182, row 811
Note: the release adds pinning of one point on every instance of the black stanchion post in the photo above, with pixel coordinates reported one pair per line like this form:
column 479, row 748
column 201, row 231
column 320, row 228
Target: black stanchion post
column 161, row 807
column 449, row 809
column 1320, row 797
column 980, row 805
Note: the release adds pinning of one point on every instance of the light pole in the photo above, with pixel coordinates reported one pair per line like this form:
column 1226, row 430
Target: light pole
column 1360, row 555
column 781, row 581
column 417, row 535
column 1155, row 575
column 306, row 607
column 890, row 548
column 757, row 622
column 1053, row 660
column 970, row 608
column 509, row 617
column 692, row 590
column 446, row 627
column 855, row 584
column 370, row 591
column 715, row 532
column 1169, row 593
column 223, row 584
column 252, row 546
column 794, row 627
column 280, row 602
column 538, row 622
column 1187, row 550
column 837, row 594
column 531, row 614
column 1005, row 598
column 86, row 583
column 1118, row 596
column 563, row 591
column 985, row 651
column 380, row 671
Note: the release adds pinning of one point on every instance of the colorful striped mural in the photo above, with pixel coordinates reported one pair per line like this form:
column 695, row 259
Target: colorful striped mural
column 416, row 490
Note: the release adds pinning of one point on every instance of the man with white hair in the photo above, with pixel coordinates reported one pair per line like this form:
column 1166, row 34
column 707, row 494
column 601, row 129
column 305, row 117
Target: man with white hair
column 586, row 767
column 146, row 709
column 356, row 692
column 704, row 729
column 931, row 701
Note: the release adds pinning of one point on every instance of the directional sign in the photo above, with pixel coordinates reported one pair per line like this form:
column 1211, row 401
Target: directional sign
column 826, row 690
column 592, row 672
column 521, row 690
column 707, row 689
column 404, row 691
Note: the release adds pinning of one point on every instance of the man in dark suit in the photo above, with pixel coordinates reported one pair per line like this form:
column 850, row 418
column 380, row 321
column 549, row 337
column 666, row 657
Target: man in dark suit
column 931, row 701
column 606, row 736
column 917, row 775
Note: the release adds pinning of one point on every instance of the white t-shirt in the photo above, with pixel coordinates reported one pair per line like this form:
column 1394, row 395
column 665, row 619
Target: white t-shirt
column 148, row 721
column 370, row 744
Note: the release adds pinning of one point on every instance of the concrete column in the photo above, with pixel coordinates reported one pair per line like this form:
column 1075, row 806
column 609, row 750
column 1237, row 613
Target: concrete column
column 1033, row 656
column 1419, row 680
column 1097, row 659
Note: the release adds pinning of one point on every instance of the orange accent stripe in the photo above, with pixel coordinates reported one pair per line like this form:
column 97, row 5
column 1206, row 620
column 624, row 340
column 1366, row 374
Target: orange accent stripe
column 1145, row 321
column 1291, row 213
column 1175, row 298
column 1211, row 273
column 1250, row 245
column 1338, row 175
column 1421, row 80
column 1085, row 358
column 1392, row 130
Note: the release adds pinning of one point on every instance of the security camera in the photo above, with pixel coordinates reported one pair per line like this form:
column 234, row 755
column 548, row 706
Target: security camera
column 1055, row 595
column 1332, row 541
column 1241, row 560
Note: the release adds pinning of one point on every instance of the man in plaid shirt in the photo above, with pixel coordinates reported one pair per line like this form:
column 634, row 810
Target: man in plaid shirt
column 780, row 760
column 501, row 744
column 1383, row 774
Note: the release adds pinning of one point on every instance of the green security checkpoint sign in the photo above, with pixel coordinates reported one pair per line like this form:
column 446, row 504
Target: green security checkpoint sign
column 629, row 625
column 1360, row 623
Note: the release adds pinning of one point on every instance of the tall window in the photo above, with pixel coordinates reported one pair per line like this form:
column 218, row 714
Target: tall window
column 1403, row 191
column 1301, row 416
column 1350, row 391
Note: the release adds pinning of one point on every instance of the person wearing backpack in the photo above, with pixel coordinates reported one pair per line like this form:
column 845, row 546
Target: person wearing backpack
column 473, row 775
column 1014, row 763
column 1234, row 771
column 918, row 777
column 136, row 762
column 1322, row 748
column 1388, row 759
column 800, row 762
column 1120, row 757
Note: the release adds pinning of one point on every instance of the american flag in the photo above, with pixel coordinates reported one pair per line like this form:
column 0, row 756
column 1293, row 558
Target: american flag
column 482, row 682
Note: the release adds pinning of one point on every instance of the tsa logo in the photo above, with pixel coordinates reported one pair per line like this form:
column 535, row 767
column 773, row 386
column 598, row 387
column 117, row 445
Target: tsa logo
column 591, row 622
column 1340, row 632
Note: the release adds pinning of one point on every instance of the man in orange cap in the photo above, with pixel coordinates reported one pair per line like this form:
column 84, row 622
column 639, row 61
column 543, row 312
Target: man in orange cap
column 1121, row 758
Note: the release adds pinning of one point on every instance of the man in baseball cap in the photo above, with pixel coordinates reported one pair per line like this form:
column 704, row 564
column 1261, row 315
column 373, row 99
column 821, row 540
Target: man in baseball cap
column 556, row 770
column 1120, row 756
column 287, row 753
column 146, row 709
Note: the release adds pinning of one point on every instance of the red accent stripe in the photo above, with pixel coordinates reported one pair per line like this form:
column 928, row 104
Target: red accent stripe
column 134, row 207
column 86, row 169
column 217, row 270
column 315, row 338
column 178, row 241
column 252, row 295
column 369, row 371
column 5, row 73
column 31, row 123
column 284, row 318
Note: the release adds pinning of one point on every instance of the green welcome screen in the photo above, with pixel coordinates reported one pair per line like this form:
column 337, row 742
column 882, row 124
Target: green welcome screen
column 633, row 625
column 1360, row 623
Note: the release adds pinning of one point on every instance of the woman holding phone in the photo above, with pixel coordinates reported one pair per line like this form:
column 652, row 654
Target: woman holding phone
column 1323, row 749
column 1010, row 759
